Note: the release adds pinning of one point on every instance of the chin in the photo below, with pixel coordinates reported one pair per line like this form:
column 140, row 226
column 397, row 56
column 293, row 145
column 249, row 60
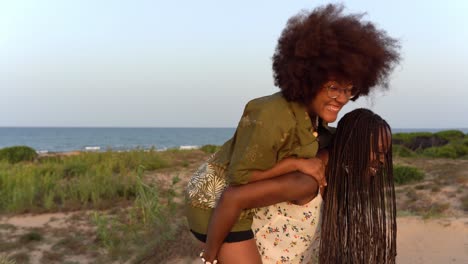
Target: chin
column 329, row 119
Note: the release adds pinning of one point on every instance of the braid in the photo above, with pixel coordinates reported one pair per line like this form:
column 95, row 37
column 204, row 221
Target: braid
column 359, row 214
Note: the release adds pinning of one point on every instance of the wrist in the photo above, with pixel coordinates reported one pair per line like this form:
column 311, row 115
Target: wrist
column 298, row 164
column 207, row 259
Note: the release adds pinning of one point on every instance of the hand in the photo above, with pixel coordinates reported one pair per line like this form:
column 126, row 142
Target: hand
column 314, row 167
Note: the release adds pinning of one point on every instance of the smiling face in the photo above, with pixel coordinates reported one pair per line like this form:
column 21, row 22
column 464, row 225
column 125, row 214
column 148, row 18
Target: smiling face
column 326, row 107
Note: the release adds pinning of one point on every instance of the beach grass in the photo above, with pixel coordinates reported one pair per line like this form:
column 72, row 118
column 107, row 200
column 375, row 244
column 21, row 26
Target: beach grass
column 151, row 223
column 6, row 260
column 133, row 217
column 88, row 180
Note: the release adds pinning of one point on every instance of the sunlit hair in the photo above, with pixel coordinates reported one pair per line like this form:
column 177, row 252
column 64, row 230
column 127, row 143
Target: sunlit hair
column 359, row 214
column 324, row 44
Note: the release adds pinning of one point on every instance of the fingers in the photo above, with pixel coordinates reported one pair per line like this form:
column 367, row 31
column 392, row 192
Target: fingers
column 316, row 169
column 322, row 182
column 322, row 191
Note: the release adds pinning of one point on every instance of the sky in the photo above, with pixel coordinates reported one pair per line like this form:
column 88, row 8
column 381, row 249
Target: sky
column 197, row 63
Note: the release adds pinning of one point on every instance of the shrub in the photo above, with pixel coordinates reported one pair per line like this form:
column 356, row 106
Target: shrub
column 17, row 154
column 406, row 174
column 419, row 140
column 31, row 236
column 452, row 151
column 450, row 134
column 210, row 148
column 464, row 142
column 402, row 151
column 401, row 138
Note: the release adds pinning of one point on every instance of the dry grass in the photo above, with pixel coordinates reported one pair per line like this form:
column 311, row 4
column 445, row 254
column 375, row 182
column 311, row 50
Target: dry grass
column 440, row 193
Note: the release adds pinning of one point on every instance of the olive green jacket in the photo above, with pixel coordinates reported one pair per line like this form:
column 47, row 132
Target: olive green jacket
column 270, row 130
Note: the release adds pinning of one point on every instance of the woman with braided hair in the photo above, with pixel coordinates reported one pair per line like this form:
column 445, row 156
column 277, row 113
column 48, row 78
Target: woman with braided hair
column 359, row 214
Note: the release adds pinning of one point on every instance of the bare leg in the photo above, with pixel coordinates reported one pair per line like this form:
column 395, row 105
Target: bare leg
column 257, row 194
column 239, row 252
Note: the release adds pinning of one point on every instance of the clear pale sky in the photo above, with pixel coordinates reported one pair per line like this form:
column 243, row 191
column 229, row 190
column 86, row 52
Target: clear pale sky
column 196, row 63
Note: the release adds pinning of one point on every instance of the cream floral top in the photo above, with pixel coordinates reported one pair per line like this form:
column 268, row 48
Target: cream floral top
column 288, row 233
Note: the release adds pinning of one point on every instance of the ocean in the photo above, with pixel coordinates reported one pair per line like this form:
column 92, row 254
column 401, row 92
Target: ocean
column 60, row 139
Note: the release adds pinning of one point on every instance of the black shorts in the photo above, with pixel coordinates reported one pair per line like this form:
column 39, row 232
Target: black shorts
column 231, row 237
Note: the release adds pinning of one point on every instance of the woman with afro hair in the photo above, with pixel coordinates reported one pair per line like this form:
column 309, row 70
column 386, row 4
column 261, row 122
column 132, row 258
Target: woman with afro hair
column 277, row 157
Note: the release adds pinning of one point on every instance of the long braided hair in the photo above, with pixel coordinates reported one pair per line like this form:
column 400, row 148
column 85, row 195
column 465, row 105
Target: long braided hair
column 359, row 214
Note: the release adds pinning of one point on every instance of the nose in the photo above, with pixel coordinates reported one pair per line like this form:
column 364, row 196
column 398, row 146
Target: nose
column 342, row 99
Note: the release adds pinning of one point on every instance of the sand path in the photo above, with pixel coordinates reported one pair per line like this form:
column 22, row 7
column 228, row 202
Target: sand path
column 433, row 241
column 436, row 241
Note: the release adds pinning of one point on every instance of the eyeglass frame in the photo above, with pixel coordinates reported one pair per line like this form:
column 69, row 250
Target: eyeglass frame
column 342, row 90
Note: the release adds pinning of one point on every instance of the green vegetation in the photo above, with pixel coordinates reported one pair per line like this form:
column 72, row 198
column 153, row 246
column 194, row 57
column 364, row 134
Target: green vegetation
column 444, row 144
column 88, row 180
column 450, row 135
column 152, row 215
column 452, row 151
column 210, row 148
column 17, row 154
column 406, row 174
column 145, row 209
column 402, row 151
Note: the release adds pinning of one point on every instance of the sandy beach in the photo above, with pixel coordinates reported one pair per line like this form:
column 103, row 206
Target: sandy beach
column 435, row 241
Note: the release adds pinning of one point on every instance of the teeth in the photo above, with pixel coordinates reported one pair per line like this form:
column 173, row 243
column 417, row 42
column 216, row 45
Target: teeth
column 333, row 108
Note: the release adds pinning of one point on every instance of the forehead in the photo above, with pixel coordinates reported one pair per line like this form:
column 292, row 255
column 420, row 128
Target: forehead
column 341, row 83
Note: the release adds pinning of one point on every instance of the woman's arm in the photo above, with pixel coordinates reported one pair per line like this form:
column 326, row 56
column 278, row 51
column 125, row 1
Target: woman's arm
column 314, row 167
column 289, row 187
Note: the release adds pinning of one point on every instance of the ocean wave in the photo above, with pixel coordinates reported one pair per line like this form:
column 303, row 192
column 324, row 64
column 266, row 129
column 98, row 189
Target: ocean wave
column 92, row 148
column 189, row 147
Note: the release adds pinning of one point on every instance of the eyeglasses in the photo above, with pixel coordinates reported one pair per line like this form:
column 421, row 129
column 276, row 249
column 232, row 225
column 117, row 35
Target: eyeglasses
column 334, row 92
